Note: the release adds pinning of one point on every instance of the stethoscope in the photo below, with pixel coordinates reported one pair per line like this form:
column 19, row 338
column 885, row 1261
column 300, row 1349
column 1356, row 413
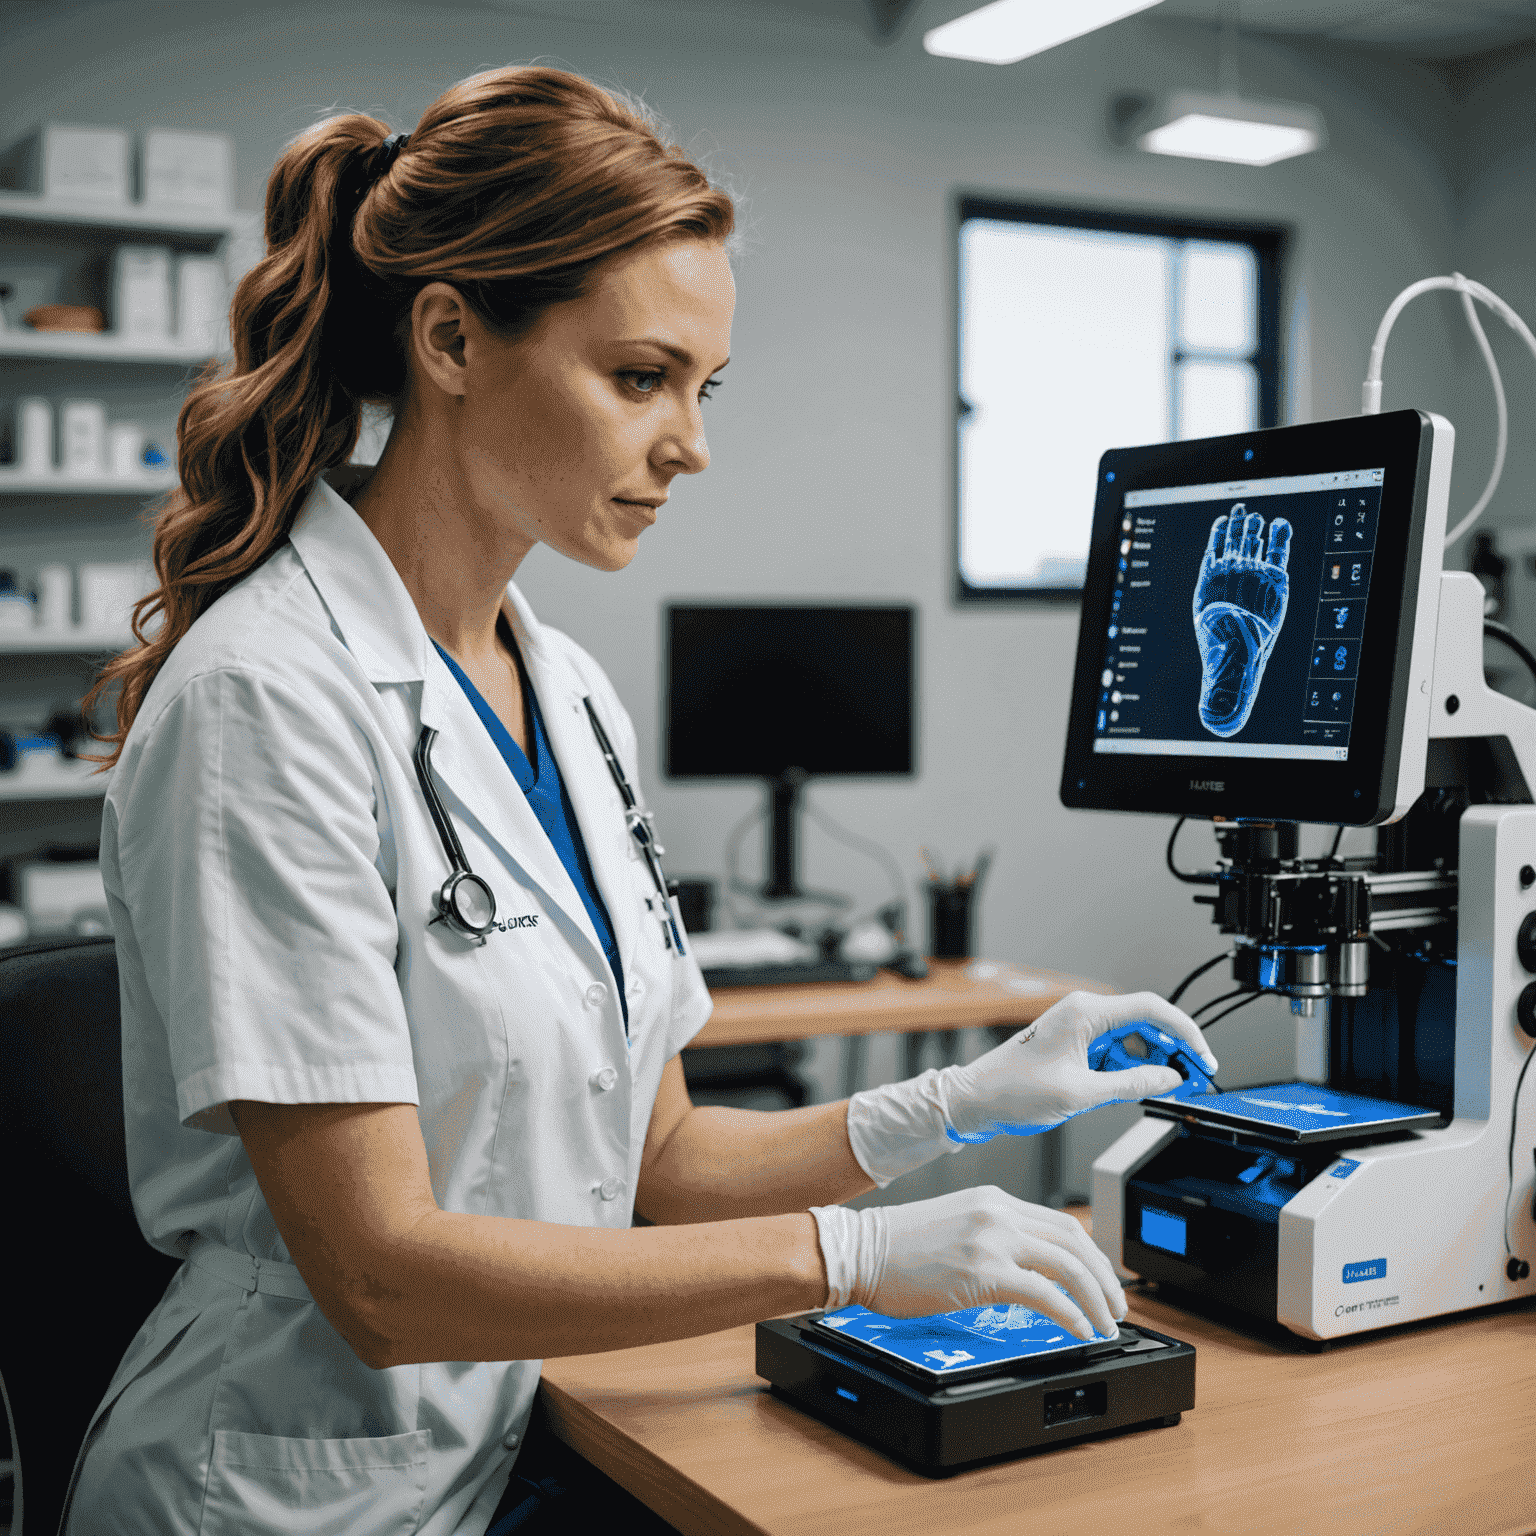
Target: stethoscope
column 468, row 905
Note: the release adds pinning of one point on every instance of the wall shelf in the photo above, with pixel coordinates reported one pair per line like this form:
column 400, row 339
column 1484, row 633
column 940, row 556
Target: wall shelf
column 78, row 781
column 19, row 482
column 21, row 642
column 98, row 347
column 140, row 375
column 130, row 218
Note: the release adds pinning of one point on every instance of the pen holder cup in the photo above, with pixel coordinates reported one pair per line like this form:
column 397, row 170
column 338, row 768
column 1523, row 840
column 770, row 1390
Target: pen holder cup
column 695, row 903
column 949, row 921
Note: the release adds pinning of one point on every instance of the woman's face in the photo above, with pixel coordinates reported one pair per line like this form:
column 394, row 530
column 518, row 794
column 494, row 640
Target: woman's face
column 560, row 438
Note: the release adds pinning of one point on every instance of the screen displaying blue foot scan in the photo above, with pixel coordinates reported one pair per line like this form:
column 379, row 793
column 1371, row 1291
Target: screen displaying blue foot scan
column 950, row 1342
column 1237, row 618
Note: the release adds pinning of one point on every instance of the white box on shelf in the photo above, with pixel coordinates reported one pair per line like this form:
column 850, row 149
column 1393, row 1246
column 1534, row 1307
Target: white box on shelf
column 54, row 895
column 83, row 430
column 34, row 434
column 18, row 613
column 125, row 450
column 141, row 291
column 75, row 162
column 55, row 599
column 108, row 591
column 13, row 924
column 187, row 170
column 201, row 305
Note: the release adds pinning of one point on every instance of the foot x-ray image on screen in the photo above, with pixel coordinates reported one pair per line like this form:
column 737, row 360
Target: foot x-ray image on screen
column 1240, row 600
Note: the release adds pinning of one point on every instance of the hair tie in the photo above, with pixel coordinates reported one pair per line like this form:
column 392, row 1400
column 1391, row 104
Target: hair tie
column 386, row 155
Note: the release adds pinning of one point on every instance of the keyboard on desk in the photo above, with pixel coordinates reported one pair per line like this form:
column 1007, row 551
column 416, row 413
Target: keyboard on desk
column 787, row 973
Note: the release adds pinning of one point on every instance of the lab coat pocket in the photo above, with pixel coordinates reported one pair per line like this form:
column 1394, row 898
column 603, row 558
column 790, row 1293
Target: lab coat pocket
column 373, row 1485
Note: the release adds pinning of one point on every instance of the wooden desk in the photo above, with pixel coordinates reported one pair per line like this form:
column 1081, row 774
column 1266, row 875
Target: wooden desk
column 1427, row 1428
column 945, row 999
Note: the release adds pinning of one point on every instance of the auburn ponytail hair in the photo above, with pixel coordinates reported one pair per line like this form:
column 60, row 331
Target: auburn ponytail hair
column 514, row 187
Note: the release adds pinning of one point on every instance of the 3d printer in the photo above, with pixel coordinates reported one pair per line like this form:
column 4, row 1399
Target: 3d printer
column 1268, row 639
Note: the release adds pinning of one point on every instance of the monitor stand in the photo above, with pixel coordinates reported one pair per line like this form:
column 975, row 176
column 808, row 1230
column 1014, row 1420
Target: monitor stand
column 783, row 843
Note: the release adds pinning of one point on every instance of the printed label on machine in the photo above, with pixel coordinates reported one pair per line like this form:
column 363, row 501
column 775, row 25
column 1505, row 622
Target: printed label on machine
column 957, row 1341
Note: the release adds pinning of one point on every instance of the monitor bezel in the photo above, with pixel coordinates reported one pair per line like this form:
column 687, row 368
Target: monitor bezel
column 1361, row 791
column 911, row 609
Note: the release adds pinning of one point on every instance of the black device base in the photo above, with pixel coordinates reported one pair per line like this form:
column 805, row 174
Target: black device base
column 1143, row 1379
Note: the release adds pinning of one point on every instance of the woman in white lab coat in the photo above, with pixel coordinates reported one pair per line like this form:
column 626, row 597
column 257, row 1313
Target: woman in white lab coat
column 402, row 1000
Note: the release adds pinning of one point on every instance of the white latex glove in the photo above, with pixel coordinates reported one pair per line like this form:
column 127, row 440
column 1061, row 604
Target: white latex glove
column 972, row 1248
column 1032, row 1081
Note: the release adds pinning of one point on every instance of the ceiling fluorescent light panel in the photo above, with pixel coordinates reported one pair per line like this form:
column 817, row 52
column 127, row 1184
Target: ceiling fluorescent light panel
column 1236, row 129
column 1010, row 30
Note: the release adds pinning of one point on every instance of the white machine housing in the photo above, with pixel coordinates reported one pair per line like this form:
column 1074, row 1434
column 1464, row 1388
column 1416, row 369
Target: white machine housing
column 1441, row 1204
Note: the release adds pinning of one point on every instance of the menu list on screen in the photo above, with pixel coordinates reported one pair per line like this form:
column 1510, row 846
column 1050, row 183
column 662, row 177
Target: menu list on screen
column 1238, row 616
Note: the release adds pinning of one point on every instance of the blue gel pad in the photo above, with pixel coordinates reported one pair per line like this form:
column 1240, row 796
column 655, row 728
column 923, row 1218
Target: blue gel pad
column 1109, row 1053
column 948, row 1342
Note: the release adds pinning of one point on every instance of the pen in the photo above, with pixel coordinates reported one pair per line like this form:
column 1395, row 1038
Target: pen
column 930, row 866
column 974, row 878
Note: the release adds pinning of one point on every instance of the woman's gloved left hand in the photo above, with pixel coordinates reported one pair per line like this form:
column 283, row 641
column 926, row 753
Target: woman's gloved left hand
column 1032, row 1081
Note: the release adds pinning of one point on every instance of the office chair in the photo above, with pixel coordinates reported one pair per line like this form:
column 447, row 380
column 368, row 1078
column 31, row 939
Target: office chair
column 80, row 1277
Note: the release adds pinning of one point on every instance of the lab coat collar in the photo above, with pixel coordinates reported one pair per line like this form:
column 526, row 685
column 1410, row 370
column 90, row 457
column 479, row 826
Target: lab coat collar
column 381, row 627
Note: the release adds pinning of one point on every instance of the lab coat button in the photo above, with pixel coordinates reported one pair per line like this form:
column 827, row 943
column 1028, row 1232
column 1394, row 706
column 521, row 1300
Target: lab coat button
column 512, row 1442
column 609, row 1188
column 605, row 1079
column 596, row 994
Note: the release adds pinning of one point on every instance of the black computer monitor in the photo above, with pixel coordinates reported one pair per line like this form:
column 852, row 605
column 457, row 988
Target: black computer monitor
column 786, row 693
column 1258, row 623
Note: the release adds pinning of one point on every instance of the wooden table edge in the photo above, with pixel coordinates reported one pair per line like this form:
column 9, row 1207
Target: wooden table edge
column 760, row 1015
column 660, row 1486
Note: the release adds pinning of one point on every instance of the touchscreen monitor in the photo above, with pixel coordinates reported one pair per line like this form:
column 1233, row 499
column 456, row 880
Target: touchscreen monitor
column 1258, row 623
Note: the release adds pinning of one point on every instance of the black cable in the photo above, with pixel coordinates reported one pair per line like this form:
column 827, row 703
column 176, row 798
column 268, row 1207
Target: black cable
column 865, row 846
column 1197, row 973
column 1496, row 631
column 1338, row 837
column 1206, row 1007
column 1173, row 869
column 1514, row 1120
column 733, row 881
column 1233, row 1009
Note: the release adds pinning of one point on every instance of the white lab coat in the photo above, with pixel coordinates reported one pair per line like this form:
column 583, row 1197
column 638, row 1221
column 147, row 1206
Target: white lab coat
column 270, row 866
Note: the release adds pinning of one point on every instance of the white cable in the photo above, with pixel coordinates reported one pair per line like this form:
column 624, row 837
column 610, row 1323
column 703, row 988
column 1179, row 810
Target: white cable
column 1468, row 288
column 1503, row 409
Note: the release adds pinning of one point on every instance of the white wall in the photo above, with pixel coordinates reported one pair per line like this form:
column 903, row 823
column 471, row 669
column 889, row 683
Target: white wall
column 832, row 440
column 1496, row 243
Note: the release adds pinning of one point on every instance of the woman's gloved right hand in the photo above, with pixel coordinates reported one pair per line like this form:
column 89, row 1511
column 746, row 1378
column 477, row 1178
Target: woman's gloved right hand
column 972, row 1248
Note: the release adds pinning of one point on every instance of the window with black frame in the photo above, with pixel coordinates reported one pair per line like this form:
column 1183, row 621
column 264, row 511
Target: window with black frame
column 1079, row 331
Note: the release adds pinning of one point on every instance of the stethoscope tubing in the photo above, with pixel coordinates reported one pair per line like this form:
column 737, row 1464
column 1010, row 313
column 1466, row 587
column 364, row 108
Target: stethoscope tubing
column 447, row 906
column 636, row 820
column 445, row 828
column 639, row 825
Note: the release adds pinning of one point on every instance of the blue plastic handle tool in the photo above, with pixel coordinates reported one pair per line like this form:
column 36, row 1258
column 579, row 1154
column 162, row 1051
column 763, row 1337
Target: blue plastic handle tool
column 1109, row 1053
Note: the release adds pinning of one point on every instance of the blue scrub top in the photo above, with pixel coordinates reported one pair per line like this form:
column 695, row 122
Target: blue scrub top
column 549, row 801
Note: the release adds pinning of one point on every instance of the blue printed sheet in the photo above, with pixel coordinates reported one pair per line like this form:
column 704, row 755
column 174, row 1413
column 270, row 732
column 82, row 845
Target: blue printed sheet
column 950, row 1342
column 1307, row 1108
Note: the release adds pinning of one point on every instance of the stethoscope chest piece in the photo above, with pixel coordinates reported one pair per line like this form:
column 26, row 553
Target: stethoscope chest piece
column 467, row 903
